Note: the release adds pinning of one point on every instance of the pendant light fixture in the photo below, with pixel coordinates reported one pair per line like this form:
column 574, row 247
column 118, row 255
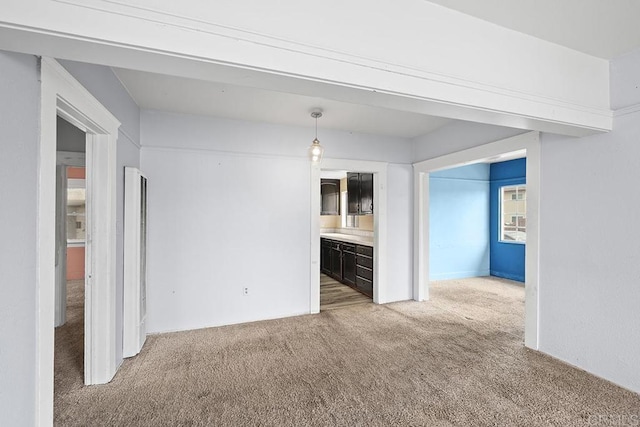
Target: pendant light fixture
column 316, row 150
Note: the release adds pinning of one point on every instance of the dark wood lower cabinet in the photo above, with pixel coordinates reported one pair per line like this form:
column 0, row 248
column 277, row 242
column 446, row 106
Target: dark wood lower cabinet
column 348, row 263
column 325, row 256
column 364, row 270
column 336, row 260
column 365, row 286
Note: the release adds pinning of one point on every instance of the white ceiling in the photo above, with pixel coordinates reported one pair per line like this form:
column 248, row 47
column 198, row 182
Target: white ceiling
column 189, row 96
column 603, row 28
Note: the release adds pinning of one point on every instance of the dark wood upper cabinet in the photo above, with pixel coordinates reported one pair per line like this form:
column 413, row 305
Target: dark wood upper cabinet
column 360, row 193
column 366, row 193
column 330, row 196
column 353, row 193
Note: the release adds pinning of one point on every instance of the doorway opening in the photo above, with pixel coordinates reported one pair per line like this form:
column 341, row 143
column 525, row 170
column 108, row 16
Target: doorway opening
column 71, row 249
column 529, row 145
column 377, row 175
column 62, row 96
column 346, row 238
column 476, row 246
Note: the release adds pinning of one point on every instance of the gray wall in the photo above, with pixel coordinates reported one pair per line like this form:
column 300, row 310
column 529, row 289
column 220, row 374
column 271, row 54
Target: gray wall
column 625, row 80
column 105, row 86
column 589, row 232
column 69, row 137
column 19, row 127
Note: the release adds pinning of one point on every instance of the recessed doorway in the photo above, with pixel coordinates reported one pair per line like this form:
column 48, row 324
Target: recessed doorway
column 529, row 144
column 346, row 238
column 71, row 250
column 378, row 173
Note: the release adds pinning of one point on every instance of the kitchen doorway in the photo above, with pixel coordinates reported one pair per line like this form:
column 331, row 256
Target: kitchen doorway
column 346, row 239
column 378, row 172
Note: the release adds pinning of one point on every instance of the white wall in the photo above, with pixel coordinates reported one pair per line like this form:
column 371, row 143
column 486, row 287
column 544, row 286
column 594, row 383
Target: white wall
column 229, row 207
column 237, row 136
column 400, row 232
column 106, row 88
column 218, row 223
column 19, row 130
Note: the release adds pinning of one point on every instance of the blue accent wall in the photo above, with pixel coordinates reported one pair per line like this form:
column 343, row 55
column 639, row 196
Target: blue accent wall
column 507, row 259
column 459, row 222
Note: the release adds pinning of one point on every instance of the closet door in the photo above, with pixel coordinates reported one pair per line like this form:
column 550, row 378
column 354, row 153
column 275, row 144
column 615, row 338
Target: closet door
column 135, row 261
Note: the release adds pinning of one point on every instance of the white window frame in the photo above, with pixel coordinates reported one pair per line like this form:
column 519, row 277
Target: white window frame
column 501, row 215
column 76, row 183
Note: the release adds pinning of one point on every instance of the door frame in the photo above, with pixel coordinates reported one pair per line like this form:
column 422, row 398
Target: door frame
column 379, row 170
column 62, row 95
column 529, row 142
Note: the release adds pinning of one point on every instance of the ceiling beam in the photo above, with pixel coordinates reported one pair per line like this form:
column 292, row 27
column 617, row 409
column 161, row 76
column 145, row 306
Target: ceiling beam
column 411, row 55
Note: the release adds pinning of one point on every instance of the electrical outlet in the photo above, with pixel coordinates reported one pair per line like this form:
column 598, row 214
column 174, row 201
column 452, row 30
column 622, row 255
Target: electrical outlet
column 245, row 291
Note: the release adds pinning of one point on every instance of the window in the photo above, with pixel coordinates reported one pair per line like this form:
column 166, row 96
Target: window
column 347, row 221
column 76, row 211
column 513, row 214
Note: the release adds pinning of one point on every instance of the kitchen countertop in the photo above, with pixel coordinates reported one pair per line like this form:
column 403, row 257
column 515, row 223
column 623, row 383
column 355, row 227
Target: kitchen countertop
column 349, row 238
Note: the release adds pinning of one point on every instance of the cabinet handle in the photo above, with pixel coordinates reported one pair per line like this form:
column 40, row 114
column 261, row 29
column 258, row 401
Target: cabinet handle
column 371, row 208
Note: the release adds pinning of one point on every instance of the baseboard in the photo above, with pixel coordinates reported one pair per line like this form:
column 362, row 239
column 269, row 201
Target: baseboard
column 509, row 276
column 459, row 275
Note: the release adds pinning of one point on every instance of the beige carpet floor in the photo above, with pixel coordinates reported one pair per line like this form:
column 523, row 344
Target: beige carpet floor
column 455, row 360
column 69, row 343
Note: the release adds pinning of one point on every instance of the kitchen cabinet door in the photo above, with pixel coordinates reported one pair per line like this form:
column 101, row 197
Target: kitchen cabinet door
column 325, row 256
column 366, row 193
column 353, row 193
column 364, row 269
column 330, row 197
column 349, row 264
column 336, row 261
column 360, row 193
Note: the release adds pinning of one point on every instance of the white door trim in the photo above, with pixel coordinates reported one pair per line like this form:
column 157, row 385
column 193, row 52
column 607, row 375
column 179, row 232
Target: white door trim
column 62, row 95
column 531, row 143
column 379, row 170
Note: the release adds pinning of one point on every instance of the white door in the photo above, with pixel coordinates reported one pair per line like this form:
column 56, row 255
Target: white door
column 135, row 261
